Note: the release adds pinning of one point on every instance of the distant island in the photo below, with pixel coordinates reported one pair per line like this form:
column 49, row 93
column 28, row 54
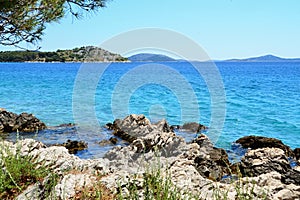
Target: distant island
column 266, row 58
column 82, row 54
column 149, row 57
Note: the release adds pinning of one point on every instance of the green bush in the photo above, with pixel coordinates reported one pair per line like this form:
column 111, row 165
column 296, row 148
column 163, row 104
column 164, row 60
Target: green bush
column 152, row 186
column 18, row 172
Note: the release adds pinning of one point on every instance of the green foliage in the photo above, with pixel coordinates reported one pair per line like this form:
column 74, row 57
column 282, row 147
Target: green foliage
column 152, row 186
column 18, row 172
column 25, row 20
column 81, row 54
column 121, row 59
column 245, row 190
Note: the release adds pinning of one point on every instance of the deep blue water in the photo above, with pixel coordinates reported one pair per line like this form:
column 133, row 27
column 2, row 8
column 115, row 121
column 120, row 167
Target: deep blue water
column 259, row 98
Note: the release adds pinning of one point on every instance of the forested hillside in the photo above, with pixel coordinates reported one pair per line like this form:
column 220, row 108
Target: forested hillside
column 82, row 54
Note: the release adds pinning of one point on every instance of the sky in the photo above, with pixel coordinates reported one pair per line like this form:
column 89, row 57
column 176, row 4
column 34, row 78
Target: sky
column 223, row 28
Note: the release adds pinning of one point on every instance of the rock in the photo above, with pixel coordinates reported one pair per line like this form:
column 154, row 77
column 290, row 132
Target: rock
column 186, row 177
column 109, row 126
column 131, row 127
column 270, row 186
column 203, row 141
column 152, row 141
column 67, row 125
column 193, row 127
column 113, row 140
column 124, row 135
column 67, row 187
column 297, row 153
column 74, row 146
column 110, row 141
column 297, row 168
column 138, row 126
column 256, row 142
column 163, row 126
column 104, row 142
column 264, row 186
column 291, row 176
column 11, row 122
column 212, row 162
column 265, row 160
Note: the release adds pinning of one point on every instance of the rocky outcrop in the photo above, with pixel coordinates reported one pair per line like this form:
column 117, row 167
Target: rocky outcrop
column 130, row 128
column 264, row 160
column 144, row 137
column 141, row 134
column 11, row 122
column 256, row 142
column 211, row 162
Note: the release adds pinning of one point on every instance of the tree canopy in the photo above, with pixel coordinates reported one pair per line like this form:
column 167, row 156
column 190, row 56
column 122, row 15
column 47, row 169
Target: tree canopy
column 25, row 20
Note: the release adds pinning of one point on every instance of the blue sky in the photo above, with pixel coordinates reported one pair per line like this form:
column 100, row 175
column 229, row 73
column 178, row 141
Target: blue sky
column 224, row 28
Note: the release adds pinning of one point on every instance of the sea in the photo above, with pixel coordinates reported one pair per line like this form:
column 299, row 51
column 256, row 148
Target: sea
column 234, row 99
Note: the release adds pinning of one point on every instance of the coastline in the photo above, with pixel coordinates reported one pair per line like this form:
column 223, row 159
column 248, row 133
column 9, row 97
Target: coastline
column 197, row 167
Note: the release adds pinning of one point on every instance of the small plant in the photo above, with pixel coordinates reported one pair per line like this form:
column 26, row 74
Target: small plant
column 152, row 185
column 97, row 191
column 245, row 190
column 18, row 172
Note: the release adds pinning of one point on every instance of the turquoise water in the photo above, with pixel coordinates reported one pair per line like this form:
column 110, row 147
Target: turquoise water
column 261, row 98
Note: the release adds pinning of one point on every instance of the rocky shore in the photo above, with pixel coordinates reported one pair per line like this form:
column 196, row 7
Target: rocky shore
column 24, row 122
column 268, row 170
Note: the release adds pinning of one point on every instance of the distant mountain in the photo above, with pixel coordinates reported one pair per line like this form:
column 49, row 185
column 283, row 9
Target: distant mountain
column 149, row 57
column 82, row 54
column 266, row 58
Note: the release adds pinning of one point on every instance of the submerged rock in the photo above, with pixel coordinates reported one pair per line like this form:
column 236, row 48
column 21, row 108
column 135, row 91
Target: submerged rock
column 74, row 146
column 110, row 141
column 11, row 122
column 113, row 140
column 193, row 127
column 190, row 127
column 256, row 142
column 67, row 125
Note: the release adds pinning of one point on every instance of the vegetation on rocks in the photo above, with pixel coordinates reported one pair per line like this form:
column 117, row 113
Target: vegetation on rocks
column 18, row 172
column 82, row 54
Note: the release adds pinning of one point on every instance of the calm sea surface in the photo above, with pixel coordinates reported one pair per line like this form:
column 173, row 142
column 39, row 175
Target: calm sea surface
column 261, row 98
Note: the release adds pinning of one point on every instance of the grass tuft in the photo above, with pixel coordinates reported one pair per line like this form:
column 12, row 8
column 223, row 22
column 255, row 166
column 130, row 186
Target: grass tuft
column 17, row 172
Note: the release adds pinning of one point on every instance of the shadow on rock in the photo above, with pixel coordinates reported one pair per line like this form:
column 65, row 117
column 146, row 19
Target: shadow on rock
column 11, row 122
column 74, row 146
